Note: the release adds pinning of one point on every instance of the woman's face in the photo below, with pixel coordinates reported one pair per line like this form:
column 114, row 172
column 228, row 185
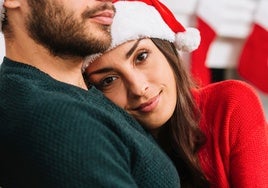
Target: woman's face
column 137, row 77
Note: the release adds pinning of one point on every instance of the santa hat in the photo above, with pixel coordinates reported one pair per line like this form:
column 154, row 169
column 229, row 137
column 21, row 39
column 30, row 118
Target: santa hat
column 2, row 11
column 153, row 20
column 253, row 63
column 136, row 19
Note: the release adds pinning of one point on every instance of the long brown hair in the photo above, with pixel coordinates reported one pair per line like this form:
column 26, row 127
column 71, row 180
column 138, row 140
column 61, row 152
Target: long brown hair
column 181, row 136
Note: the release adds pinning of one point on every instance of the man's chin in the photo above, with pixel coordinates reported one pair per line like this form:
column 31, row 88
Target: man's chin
column 80, row 47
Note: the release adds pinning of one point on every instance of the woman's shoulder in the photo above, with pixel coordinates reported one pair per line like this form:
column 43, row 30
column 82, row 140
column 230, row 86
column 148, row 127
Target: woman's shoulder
column 228, row 94
column 229, row 85
column 227, row 90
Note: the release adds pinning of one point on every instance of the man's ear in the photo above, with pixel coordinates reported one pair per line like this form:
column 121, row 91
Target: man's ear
column 10, row 4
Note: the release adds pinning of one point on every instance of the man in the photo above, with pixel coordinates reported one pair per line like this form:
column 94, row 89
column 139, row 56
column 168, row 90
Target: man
column 54, row 132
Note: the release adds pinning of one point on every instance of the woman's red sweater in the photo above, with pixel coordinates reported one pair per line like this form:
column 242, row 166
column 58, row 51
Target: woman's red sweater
column 236, row 152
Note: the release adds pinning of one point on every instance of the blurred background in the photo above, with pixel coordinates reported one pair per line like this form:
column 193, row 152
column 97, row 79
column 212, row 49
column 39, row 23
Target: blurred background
column 234, row 43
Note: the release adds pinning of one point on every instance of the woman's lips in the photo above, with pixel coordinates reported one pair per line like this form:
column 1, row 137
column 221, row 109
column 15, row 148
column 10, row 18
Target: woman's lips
column 104, row 17
column 149, row 105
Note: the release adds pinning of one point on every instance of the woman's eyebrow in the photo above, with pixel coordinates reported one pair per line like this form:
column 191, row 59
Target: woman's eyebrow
column 132, row 49
column 99, row 71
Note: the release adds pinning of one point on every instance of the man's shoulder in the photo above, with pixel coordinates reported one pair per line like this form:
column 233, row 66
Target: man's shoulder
column 40, row 99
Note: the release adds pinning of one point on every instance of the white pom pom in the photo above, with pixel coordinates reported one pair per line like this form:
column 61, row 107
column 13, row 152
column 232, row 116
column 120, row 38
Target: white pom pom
column 188, row 40
column 2, row 11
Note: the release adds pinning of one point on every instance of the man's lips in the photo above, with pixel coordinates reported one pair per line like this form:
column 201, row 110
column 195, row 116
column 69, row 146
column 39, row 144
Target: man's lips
column 149, row 105
column 104, row 17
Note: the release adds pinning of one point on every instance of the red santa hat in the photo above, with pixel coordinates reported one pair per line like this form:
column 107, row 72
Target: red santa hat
column 136, row 19
column 253, row 63
column 2, row 11
column 150, row 18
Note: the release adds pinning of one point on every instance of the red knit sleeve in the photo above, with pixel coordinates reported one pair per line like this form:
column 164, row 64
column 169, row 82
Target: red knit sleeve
column 248, row 139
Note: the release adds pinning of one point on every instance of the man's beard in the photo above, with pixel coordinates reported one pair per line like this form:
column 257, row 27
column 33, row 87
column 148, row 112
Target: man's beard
column 51, row 26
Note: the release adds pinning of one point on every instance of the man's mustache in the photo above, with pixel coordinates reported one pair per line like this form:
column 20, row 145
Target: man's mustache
column 91, row 12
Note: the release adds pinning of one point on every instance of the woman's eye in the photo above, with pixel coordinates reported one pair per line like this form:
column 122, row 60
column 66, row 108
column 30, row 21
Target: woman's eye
column 141, row 56
column 107, row 81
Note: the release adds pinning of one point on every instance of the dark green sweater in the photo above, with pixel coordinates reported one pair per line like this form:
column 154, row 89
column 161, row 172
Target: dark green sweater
column 55, row 135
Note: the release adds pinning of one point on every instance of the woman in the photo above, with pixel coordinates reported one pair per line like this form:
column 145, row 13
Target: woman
column 216, row 136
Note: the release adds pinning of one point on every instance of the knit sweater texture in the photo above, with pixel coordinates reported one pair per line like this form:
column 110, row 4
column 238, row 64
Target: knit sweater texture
column 236, row 152
column 55, row 135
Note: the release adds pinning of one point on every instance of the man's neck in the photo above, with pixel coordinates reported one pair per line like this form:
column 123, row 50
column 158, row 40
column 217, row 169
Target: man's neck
column 66, row 70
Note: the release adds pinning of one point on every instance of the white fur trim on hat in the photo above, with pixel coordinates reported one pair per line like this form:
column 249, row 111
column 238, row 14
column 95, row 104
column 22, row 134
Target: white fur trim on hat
column 2, row 11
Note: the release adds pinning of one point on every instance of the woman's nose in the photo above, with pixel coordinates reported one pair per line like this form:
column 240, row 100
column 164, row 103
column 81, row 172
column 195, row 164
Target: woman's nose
column 138, row 86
